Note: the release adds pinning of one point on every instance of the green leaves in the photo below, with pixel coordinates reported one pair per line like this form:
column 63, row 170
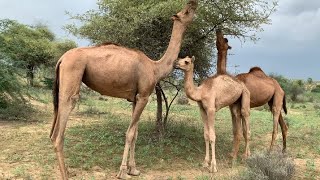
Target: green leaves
column 146, row 25
column 29, row 47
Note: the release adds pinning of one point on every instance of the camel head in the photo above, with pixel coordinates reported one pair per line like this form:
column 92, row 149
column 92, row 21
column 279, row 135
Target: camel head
column 221, row 43
column 185, row 16
column 185, row 64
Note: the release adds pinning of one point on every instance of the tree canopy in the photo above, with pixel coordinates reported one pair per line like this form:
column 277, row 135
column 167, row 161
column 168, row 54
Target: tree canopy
column 146, row 25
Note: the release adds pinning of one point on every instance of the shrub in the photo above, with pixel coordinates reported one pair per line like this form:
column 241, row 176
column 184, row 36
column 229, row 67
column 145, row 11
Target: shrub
column 17, row 111
column 48, row 82
column 182, row 100
column 316, row 89
column 311, row 99
column 274, row 165
column 303, row 106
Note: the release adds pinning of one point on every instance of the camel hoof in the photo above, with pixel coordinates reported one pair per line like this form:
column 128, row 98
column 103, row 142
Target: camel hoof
column 245, row 156
column 123, row 175
column 134, row 172
column 232, row 156
column 213, row 170
column 205, row 164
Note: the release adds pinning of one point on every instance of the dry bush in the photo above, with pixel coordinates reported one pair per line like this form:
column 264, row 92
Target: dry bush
column 182, row 100
column 274, row 165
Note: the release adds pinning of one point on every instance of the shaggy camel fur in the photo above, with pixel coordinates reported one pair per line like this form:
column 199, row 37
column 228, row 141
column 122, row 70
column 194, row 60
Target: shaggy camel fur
column 213, row 94
column 263, row 89
column 114, row 71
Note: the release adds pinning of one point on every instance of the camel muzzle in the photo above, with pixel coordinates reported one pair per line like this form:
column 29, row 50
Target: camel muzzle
column 176, row 65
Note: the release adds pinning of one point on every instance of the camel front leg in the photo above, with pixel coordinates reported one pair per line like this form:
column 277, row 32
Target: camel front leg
column 212, row 138
column 206, row 136
column 245, row 113
column 141, row 102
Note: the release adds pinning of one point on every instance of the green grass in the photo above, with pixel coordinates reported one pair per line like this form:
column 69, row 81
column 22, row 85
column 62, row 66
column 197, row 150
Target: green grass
column 97, row 137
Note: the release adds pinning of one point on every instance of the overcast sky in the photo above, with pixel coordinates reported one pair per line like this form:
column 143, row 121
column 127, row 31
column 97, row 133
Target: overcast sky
column 290, row 46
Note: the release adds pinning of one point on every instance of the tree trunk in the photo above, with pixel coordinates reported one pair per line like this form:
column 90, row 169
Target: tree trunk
column 30, row 74
column 159, row 123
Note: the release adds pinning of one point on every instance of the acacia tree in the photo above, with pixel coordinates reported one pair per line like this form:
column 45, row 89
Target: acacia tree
column 28, row 47
column 146, row 25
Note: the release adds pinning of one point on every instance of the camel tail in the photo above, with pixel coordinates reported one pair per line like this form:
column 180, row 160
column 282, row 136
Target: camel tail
column 284, row 104
column 55, row 94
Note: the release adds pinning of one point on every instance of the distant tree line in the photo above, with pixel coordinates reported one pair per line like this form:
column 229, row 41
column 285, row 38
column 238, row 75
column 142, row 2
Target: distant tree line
column 24, row 49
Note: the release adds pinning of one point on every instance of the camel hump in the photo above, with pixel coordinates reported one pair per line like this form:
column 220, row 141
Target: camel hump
column 108, row 43
column 257, row 71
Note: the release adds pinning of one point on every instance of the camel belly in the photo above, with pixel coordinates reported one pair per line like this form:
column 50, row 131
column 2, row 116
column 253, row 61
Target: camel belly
column 110, row 86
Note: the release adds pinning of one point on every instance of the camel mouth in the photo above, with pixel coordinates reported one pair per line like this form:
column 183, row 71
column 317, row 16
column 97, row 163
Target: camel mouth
column 193, row 4
column 176, row 66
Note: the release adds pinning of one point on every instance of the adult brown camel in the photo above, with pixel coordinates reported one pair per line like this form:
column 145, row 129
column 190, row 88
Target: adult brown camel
column 263, row 89
column 114, row 71
column 213, row 94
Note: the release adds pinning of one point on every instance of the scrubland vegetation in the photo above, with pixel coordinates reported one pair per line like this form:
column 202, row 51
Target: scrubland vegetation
column 96, row 131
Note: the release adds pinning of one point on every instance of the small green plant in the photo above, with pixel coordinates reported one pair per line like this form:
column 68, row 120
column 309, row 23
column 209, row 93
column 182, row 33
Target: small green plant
column 48, row 82
column 21, row 172
column 273, row 165
column 303, row 106
column 316, row 106
column 311, row 169
column 203, row 177
column 181, row 177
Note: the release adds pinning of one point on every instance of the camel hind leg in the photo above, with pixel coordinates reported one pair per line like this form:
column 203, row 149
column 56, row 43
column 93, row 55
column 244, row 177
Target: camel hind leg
column 236, row 129
column 275, row 105
column 283, row 126
column 69, row 88
column 284, row 130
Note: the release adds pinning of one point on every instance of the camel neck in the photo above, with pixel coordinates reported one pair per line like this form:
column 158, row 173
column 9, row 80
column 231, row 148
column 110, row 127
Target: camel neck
column 191, row 90
column 165, row 64
column 222, row 62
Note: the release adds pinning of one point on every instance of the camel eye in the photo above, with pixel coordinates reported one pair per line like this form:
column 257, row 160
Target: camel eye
column 187, row 62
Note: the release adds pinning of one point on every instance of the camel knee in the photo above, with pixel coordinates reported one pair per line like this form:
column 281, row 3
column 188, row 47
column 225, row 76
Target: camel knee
column 206, row 134
column 74, row 100
column 212, row 138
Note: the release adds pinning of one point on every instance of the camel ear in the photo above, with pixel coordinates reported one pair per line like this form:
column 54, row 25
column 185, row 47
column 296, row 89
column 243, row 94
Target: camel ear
column 193, row 59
